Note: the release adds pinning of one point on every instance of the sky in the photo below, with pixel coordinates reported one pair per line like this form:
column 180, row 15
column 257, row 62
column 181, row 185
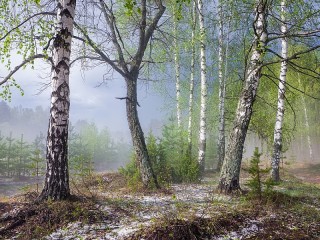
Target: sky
column 88, row 100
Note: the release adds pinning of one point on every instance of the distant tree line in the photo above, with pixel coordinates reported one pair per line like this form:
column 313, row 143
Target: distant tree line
column 88, row 147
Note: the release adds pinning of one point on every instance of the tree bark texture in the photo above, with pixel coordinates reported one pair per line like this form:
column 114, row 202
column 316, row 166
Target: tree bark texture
column 191, row 85
column 203, row 101
column 230, row 172
column 144, row 164
column 56, row 185
column 177, row 71
column 129, row 66
column 277, row 139
column 221, row 136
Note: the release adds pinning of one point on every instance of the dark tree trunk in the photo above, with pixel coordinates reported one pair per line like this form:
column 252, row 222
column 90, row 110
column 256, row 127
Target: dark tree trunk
column 230, row 172
column 144, row 164
column 57, row 175
column 129, row 67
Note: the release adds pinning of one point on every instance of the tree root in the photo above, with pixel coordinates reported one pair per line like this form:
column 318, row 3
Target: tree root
column 18, row 219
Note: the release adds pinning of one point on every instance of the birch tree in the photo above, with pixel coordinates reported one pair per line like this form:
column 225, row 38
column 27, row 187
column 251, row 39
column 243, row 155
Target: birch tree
column 306, row 118
column 230, row 172
column 56, row 185
column 277, row 142
column 221, row 137
column 177, row 65
column 192, row 70
column 203, row 89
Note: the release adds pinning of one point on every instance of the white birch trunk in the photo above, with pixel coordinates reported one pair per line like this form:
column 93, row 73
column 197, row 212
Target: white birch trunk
column 230, row 171
column 221, row 137
column 277, row 141
column 306, row 122
column 57, row 175
column 191, row 87
column 203, row 102
column 177, row 71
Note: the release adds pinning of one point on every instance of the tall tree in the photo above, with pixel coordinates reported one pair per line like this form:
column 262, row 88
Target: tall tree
column 277, row 142
column 129, row 59
column 203, row 101
column 192, row 70
column 221, row 137
column 177, row 63
column 230, row 172
column 56, row 185
column 10, row 154
column 306, row 118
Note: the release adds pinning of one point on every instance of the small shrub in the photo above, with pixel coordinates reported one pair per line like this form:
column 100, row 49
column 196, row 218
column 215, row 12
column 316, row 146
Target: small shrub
column 132, row 174
column 260, row 184
column 168, row 158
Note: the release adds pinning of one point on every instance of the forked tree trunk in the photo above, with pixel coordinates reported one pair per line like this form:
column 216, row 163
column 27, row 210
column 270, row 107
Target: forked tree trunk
column 277, row 140
column 191, row 87
column 144, row 164
column 56, row 185
column 230, row 172
column 221, row 137
column 203, row 102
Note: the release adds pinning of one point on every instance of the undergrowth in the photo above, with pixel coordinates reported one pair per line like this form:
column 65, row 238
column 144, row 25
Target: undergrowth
column 35, row 220
column 169, row 159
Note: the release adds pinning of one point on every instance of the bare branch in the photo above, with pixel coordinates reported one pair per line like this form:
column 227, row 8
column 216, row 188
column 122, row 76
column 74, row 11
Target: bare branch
column 110, row 18
column 26, row 61
column 126, row 98
column 25, row 21
column 145, row 35
column 98, row 51
column 86, row 57
column 306, row 34
column 294, row 56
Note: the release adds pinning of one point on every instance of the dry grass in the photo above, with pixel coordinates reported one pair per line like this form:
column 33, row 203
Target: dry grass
column 291, row 212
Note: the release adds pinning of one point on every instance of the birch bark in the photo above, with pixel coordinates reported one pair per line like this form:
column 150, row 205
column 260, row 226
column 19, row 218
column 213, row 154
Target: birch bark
column 277, row 141
column 230, row 171
column 203, row 101
column 56, row 185
column 221, row 137
column 306, row 122
column 191, row 85
column 177, row 70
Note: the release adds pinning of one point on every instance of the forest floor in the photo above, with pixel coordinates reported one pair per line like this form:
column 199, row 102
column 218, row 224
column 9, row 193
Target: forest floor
column 105, row 208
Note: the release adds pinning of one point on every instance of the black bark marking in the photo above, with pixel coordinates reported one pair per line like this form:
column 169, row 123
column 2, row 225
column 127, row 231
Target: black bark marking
column 66, row 12
column 62, row 64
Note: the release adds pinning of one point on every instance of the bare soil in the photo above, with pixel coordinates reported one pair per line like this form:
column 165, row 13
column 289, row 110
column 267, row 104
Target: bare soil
column 308, row 172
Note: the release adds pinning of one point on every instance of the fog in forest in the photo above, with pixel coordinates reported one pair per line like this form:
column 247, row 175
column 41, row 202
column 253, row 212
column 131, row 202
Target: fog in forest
column 99, row 137
column 24, row 129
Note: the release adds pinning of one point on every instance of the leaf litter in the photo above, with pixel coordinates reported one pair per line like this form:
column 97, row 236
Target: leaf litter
column 184, row 211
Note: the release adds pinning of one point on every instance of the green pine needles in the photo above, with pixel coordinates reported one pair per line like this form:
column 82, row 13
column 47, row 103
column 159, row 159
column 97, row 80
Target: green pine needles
column 169, row 160
column 260, row 183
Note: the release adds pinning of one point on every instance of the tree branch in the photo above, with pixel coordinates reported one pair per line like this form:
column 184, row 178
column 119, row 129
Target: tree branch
column 86, row 57
column 294, row 56
column 25, row 21
column 26, row 61
column 126, row 98
column 299, row 34
column 110, row 18
column 145, row 35
column 98, row 51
